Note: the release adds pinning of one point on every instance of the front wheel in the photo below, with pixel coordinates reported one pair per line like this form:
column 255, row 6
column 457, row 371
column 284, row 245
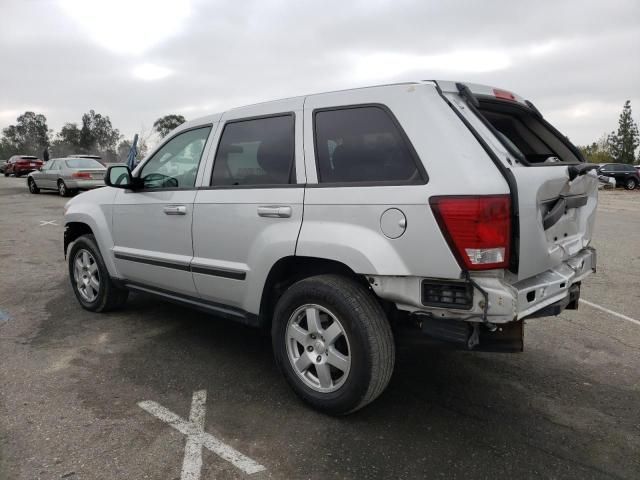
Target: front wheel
column 333, row 343
column 33, row 188
column 631, row 184
column 90, row 278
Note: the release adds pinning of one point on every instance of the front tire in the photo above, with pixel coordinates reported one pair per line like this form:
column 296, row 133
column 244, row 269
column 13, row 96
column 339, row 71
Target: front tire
column 90, row 278
column 33, row 188
column 333, row 343
column 631, row 184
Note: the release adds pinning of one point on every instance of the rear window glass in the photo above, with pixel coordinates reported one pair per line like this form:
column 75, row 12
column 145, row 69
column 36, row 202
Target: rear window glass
column 256, row 152
column 361, row 144
column 26, row 157
column 523, row 132
column 83, row 163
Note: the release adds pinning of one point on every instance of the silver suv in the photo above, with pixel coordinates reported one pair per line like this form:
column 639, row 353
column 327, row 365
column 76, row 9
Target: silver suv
column 345, row 221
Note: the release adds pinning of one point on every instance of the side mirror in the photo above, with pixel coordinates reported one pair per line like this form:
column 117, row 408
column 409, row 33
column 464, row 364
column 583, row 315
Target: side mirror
column 119, row 176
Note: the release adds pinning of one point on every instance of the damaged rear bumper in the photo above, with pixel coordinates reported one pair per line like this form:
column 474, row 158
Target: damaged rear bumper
column 494, row 300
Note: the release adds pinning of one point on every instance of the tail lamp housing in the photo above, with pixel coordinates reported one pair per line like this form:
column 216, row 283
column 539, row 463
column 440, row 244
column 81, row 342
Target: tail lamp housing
column 81, row 175
column 477, row 228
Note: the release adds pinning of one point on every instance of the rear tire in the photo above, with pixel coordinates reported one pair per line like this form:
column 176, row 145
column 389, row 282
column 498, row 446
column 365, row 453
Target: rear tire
column 33, row 188
column 347, row 361
column 90, row 278
column 631, row 184
column 63, row 191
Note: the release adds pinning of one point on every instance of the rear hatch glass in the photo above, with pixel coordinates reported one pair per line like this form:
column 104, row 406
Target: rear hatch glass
column 523, row 131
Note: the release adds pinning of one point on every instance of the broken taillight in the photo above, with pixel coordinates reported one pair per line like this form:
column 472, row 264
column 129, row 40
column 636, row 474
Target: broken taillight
column 477, row 228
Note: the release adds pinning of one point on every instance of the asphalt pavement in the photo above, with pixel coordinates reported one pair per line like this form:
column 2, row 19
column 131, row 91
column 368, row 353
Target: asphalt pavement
column 78, row 391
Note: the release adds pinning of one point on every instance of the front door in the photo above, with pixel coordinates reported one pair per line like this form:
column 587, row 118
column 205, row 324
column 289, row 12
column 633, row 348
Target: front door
column 251, row 213
column 152, row 226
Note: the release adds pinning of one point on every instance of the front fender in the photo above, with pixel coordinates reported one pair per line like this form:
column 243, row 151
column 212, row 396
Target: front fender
column 95, row 209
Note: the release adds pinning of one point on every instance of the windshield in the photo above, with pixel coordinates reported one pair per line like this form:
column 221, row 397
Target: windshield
column 83, row 163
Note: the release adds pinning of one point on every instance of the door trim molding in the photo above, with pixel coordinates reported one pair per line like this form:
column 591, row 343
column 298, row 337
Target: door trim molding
column 216, row 272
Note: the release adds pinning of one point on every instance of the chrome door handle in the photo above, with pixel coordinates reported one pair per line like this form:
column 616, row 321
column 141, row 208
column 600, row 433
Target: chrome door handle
column 175, row 210
column 274, row 211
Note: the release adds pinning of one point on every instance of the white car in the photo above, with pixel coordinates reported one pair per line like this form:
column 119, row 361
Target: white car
column 343, row 221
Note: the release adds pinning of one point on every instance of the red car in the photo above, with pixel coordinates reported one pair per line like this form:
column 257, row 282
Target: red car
column 21, row 165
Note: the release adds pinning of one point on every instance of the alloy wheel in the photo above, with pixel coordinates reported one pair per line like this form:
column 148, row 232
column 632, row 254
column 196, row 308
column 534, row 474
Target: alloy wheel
column 318, row 348
column 86, row 275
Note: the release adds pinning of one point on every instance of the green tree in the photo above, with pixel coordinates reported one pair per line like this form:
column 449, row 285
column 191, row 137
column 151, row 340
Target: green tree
column 123, row 150
column 598, row 152
column 30, row 135
column 625, row 141
column 67, row 141
column 165, row 124
column 97, row 134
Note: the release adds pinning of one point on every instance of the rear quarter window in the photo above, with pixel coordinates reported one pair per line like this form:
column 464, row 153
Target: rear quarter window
column 363, row 144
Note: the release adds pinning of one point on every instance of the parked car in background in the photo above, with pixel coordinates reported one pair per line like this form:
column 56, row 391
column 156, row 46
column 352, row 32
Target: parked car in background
column 67, row 176
column 625, row 175
column 3, row 164
column 19, row 165
column 84, row 155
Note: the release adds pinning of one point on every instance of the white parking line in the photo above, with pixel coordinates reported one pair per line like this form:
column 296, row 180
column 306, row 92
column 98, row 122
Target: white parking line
column 610, row 312
column 48, row 222
column 198, row 438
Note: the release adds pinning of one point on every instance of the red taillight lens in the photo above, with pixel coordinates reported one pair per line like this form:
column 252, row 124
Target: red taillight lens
column 478, row 229
column 81, row 175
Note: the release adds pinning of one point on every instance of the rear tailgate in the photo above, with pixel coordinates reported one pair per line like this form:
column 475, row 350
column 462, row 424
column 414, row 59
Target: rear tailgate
column 554, row 193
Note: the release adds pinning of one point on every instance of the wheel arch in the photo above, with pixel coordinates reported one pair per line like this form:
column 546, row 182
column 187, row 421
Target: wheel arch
column 73, row 231
column 288, row 270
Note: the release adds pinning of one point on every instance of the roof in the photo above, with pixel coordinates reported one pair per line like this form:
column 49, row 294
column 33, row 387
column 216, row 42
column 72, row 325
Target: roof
column 215, row 117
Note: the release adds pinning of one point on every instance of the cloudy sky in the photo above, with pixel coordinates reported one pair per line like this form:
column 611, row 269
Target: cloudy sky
column 136, row 60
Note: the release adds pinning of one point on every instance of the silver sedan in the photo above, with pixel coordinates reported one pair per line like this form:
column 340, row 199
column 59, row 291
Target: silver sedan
column 67, row 176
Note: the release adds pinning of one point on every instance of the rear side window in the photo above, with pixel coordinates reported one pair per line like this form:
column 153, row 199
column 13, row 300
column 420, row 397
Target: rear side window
column 362, row 144
column 256, row 152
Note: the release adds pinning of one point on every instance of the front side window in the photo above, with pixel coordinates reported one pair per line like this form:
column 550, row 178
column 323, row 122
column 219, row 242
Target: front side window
column 362, row 144
column 256, row 152
column 175, row 165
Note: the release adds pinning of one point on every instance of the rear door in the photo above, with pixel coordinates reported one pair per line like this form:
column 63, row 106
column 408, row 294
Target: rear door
column 41, row 178
column 51, row 175
column 248, row 213
column 556, row 193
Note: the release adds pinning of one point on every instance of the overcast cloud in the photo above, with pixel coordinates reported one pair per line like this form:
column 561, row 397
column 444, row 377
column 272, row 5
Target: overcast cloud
column 136, row 60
